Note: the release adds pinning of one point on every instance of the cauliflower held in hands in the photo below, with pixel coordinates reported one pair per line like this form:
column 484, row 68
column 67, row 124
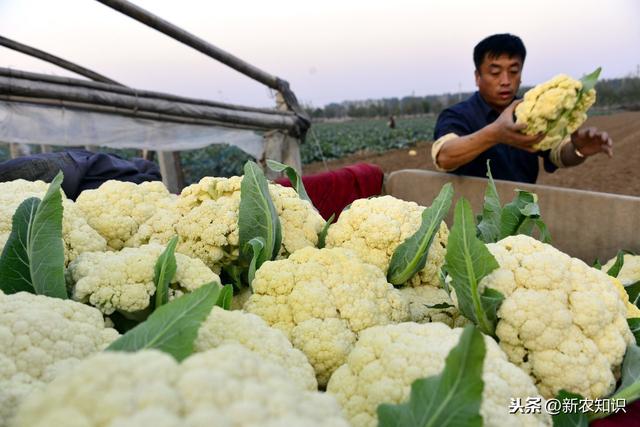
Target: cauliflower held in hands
column 208, row 226
column 121, row 211
column 250, row 331
column 123, row 280
column 387, row 359
column 228, row 386
column 322, row 298
column 561, row 321
column 557, row 107
column 40, row 336
column 77, row 235
column 374, row 228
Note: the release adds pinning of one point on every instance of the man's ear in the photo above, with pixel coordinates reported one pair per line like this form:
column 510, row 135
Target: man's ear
column 476, row 73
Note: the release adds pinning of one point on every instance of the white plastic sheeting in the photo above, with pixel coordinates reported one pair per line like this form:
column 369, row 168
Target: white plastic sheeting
column 56, row 125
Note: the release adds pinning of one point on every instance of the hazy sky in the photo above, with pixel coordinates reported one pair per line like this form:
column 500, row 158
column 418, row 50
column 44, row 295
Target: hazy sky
column 331, row 50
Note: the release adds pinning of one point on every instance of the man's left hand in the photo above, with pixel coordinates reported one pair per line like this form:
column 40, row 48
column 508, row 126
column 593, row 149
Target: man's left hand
column 590, row 141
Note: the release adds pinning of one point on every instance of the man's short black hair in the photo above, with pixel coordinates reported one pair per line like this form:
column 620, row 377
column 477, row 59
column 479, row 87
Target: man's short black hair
column 499, row 44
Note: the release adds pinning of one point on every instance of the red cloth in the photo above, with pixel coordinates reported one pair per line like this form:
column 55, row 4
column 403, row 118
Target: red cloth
column 629, row 419
column 331, row 191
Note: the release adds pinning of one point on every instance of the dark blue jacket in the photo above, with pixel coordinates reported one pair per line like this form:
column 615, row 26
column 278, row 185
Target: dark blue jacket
column 507, row 162
column 83, row 170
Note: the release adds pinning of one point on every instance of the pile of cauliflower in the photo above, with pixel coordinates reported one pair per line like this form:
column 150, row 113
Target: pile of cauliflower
column 229, row 385
column 50, row 346
column 387, row 359
column 321, row 338
column 557, row 107
column 41, row 337
column 321, row 299
column 204, row 217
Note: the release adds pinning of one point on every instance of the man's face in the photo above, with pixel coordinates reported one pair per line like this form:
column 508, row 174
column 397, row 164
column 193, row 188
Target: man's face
column 499, row 79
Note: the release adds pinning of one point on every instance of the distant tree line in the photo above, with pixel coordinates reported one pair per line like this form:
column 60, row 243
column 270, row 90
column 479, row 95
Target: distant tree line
column 612, row 93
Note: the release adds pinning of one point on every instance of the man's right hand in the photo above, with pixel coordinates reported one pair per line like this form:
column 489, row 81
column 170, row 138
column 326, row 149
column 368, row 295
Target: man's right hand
column 505, row 131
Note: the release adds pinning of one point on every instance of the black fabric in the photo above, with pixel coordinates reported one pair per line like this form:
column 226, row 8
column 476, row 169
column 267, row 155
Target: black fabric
column 507, row 162
column 83, row 170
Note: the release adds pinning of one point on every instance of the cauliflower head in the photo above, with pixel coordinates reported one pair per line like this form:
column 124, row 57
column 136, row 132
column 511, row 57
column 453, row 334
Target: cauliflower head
column 229, row 384
column 123, row 280
column 321, row 299
column 118, row 210
column 562, row 322
column 556, row 108
column 39, row 337
column 208, row 226
column 252, row 332
column 77, row 234
column 387, row 359
column 374, row 228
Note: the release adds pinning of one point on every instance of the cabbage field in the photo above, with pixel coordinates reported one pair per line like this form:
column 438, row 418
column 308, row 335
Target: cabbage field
column 337, row 139
column 328, row 140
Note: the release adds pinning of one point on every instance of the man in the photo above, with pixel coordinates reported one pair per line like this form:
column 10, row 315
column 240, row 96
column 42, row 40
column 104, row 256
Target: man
column 483, row 127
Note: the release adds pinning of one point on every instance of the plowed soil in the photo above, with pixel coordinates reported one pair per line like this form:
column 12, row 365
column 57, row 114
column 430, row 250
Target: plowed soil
column 620, row 175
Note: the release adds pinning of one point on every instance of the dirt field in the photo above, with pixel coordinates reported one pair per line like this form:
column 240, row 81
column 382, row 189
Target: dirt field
column 619, row 175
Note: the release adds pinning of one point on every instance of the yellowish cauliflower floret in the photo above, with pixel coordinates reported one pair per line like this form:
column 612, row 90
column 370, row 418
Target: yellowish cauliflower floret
column 204, row 216
column 208, row 227
column 208, row 223
column 159, row 227
column 387, row 359
column 628, row 275
column 39, row 337
column 632, row 310
column 374, row 228
column 547, row 103
column 562, row 321
column 117, row 210
column 228, row 386
column 77, row 235
column 252, row 332
column 123, row 280
column 322, row 298
column 630, row 271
